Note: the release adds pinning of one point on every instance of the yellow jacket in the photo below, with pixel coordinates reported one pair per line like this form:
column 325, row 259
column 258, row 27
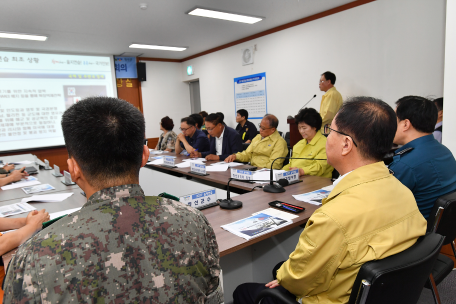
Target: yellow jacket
column 261, row 152
column 315, row 149
column 331, row 102
column 369, row 215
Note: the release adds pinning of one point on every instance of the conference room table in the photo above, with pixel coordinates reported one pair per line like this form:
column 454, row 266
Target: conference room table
column 241, row 260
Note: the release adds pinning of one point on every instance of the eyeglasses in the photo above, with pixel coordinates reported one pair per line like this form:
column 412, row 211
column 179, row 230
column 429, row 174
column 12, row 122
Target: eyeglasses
column 262, row 128
column 211, row 129
column 327, row 129
column 185, row 129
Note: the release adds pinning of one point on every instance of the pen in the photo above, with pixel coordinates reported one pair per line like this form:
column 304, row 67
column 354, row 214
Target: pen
column 292, row 206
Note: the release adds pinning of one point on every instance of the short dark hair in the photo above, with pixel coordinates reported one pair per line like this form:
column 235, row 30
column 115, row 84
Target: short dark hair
column 309, row 116
column 198, row 119
column 439, row 103
column 167, row 123
column 222, row 116
column 214, row 119
column 203, row 114
column 189, row 120
column 105, row 135
column 272, row 120
column 372, row 124
column 243, row 113
column 421, row 112
column 330, row 76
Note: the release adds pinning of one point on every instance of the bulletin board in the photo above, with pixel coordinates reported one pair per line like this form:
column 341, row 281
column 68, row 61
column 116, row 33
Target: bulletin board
column 250, row 94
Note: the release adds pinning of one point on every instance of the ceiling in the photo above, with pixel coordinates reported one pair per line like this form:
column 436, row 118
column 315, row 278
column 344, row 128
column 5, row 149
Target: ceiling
column 110, row 26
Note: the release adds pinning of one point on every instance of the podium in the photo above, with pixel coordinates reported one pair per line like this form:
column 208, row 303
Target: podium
column 295, row 136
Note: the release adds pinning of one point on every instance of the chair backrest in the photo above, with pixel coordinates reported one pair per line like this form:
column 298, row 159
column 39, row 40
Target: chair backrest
column 290, row 153
column 446, row 225
column 287, row 138
column 399, row 278
column 245, row 146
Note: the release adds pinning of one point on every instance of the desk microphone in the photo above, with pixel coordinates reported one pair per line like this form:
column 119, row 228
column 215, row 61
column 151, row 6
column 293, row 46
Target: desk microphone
column 228, row 203
column 278, row 188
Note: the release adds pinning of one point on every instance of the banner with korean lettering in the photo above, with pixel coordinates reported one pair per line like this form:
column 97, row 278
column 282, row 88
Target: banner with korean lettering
column 125, row 67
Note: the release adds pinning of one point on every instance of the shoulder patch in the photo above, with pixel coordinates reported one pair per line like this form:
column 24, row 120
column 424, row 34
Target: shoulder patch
column 405, row 151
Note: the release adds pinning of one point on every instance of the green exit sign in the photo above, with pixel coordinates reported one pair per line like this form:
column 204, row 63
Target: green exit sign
column 189, row 70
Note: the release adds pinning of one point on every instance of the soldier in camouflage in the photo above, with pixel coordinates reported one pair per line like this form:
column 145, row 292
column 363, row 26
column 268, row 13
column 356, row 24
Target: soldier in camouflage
column 122, row 246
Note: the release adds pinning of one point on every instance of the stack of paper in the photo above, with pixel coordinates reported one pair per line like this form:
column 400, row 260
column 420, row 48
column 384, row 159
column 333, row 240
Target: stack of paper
column 233, row 164
column 314, row 197
column 27, row 181
column 47, row 198
column 256, row 225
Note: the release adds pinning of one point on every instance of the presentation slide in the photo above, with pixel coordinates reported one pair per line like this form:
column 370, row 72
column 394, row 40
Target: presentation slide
column 36, row 88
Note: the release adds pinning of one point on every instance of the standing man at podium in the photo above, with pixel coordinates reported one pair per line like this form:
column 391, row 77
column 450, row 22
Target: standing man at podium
column 331, row 101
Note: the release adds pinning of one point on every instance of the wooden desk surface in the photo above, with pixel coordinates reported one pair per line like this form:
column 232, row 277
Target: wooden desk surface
column 256, row 201
column 214, row 179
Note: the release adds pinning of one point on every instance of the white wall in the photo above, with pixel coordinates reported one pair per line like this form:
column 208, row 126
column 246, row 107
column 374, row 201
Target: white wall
column 385, row 49
column 449, row 94
column 164, row 94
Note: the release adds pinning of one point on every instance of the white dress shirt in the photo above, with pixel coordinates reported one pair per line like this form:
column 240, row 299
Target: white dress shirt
column 219, row 143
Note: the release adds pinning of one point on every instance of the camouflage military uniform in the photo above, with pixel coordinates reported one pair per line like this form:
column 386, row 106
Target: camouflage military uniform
column 121, row 247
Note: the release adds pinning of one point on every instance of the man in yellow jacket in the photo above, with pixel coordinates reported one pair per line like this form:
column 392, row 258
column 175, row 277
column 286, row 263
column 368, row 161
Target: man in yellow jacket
column 265, row 147
column 355, row 223
column 331, row 101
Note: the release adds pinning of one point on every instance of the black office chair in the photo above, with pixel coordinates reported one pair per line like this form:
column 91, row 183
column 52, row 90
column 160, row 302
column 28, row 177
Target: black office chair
column 396, row 279
column 290, row 153
column 442, row 221
column 281, row 133
column 287, row 138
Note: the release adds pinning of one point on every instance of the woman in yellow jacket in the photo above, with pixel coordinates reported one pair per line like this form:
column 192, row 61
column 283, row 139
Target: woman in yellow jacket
column 313, row 145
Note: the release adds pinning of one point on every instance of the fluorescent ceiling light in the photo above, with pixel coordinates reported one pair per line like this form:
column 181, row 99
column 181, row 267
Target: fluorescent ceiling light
column 157, row 47
column 224, row 16
column 23, row 36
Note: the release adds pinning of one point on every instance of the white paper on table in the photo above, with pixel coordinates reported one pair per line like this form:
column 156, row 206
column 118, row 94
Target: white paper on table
column 278, row 213
column 21, row 184
column 329, row 188
column 24, row 162
column 265, row 175
column 47, row 198
column 216, row 168
column 17, row 208
column 60, row 213
column 183, row 165
column 314, row 197
column 233, row 164
column 156, row 162
column 194, row 159
column 156, row 152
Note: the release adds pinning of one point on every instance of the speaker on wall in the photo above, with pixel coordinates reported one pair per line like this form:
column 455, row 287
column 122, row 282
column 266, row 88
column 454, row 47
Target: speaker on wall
column 141, row 67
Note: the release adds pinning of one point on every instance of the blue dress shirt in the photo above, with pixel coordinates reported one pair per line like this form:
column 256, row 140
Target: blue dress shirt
column 429, row 171
column 198, row 141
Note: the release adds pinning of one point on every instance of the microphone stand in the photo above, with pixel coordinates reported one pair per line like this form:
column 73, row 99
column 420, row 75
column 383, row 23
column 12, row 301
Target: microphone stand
column 228, row 203
column 277, row 188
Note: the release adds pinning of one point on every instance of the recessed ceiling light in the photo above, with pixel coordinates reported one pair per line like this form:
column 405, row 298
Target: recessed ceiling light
column 23, row 36
column 224, row 16
column 157, row 47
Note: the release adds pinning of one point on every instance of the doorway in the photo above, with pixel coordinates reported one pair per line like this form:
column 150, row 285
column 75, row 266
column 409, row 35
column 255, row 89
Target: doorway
column 195, row 101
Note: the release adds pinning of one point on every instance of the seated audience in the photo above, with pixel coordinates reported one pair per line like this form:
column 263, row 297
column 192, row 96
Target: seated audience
column 122, row 246
column 422, row 164
column 199, row 121
column 438, row 127
column 204, row 115
column 313, row 145
column 167, row 140
column 15, row 175
column 265, row 147
column 245, row 128
column 26, row 227
column 191, row 138
column 355, row 224
column 224, row 140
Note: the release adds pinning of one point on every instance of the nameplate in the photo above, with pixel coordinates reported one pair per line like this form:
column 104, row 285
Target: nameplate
column 198, row 168
column 200, row 199
column 292, row 176
column 168, row 161
column 67, row 179
column 46, row 165
column 241, row 174
column 57, row 171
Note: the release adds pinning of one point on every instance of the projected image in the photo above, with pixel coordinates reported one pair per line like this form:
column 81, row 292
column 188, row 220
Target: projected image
column 74, row 94
column 36, row 88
